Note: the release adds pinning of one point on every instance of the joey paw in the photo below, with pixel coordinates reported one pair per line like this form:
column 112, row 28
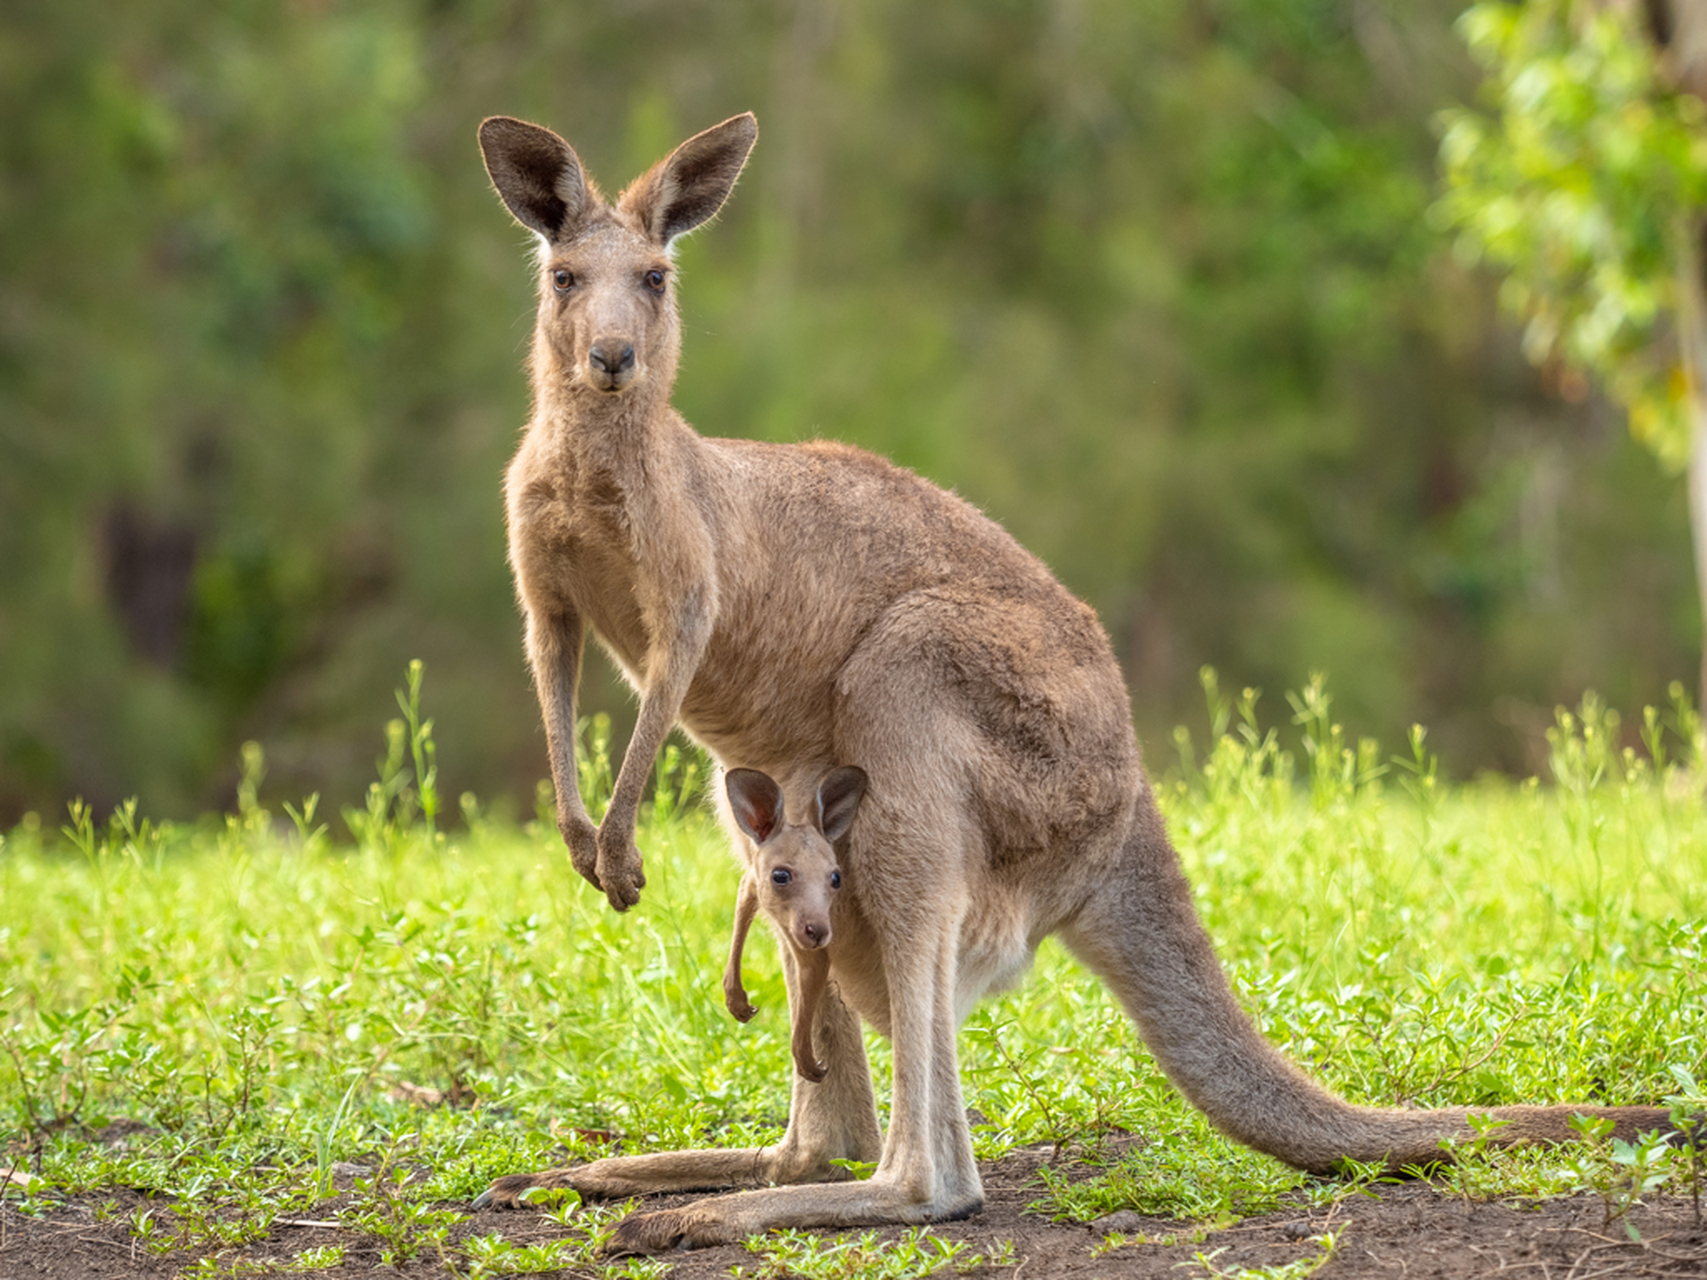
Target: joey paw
column 740, row 1009
column 811, row 1070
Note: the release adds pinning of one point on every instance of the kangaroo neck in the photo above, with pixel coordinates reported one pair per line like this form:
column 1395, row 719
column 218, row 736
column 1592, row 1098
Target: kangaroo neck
column 608, row 434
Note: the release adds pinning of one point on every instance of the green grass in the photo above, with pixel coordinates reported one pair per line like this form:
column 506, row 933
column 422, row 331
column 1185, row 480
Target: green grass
column 257, row 1002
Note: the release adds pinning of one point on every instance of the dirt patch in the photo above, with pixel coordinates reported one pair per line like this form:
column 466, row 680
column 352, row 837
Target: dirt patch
column 1411, row 1230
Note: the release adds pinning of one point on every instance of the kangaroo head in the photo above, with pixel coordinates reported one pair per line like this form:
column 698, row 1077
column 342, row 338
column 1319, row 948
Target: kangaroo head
column 607, row 313
column 796, row 868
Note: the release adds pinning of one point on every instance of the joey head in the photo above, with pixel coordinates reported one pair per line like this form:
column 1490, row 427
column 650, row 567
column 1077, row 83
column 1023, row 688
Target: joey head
column 794, row 878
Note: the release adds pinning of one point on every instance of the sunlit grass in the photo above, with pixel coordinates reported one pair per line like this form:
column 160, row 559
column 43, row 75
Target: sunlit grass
column 258, row 1002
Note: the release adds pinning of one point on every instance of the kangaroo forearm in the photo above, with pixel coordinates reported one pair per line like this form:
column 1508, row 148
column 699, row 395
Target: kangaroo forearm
column 657, row 714
column 554, row 654
column 660, row 705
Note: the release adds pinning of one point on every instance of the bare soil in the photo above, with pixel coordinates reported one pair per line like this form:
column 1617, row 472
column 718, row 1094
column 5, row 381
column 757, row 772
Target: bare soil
column 1408, row 1230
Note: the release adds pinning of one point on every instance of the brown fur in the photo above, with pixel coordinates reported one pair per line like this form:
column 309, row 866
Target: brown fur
column 799, row 606
column 793, row 876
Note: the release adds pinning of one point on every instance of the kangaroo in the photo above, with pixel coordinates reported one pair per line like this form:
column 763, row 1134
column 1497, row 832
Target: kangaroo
column 796, row 607
column 794, row 877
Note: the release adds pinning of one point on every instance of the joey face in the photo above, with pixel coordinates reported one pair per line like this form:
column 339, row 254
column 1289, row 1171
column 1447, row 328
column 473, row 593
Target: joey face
column 798, row 881
column 796, row 869
column 607, row 317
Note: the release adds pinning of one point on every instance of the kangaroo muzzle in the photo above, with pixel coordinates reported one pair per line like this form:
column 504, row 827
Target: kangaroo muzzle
column 809, row 935
column 611, row 364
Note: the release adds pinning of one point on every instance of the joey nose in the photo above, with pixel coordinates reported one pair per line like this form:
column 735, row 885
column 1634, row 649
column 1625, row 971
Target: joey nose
column 814, row 933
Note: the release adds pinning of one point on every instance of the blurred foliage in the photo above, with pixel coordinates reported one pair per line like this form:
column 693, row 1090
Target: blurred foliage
column 1583, row 185
column 1153, row 283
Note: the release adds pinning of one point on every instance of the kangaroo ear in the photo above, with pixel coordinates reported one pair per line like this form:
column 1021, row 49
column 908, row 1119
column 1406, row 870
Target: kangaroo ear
column 757, row 802
column 838, row 800
column 689, row 185
column 537, row 174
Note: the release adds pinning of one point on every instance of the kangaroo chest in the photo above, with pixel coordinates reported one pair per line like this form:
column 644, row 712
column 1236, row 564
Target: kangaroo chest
column 571, row 546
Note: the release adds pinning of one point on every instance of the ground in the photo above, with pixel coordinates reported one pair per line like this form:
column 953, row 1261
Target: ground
column 1414, row 1229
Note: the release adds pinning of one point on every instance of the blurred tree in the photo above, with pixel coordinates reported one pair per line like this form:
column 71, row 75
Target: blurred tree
column 1589, row 187
column 1152, row 283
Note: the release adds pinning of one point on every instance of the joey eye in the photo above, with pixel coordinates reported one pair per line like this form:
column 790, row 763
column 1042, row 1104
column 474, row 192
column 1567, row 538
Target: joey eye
column 780, row 876
column 561, row 279
column 654, row 280
column 835, row 879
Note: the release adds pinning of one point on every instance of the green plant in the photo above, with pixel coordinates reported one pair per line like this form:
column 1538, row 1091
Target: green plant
column 404, row 1227
column 917, row 1253
column 325, row 1144
column 1689, row 1117
column 407, row 786
column 1617, row 1171
column 1295, row 1270
column 1468, row 1166
column 1189, row 1172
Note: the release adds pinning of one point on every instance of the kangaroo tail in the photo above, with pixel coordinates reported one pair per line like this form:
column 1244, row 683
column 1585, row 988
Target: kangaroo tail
column 1140, row 932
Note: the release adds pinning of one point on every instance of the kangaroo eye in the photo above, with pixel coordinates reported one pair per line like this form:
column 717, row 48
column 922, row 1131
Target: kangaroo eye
column 835, row 879
column 561, row 279
column 780, row 876
column 654, row 280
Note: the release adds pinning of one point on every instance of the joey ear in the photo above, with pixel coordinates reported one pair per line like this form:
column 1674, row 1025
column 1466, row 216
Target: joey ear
column 690, row 184
column 756, row 801
column 537, row 174
column 838, row 800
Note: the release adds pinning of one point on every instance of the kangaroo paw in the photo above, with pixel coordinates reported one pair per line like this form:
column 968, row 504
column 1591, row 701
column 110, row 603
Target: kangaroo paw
column 619, row 870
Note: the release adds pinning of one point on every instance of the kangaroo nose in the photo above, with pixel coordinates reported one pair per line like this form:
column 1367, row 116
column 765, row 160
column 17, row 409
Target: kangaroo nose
column 815, row 933
column 607, row 358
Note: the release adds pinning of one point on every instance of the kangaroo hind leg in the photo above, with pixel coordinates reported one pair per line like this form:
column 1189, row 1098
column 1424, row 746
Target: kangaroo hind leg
column 828, row 1121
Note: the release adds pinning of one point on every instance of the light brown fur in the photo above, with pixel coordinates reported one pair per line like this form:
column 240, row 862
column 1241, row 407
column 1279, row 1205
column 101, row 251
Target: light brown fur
column 799, row 606
column 794, row 878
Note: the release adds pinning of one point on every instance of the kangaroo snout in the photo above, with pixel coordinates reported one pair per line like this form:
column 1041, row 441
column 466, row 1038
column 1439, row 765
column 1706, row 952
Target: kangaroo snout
column 812, row 934
column 611, row 364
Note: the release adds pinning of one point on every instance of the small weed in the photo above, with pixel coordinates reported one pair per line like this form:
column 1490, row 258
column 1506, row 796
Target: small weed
column 556, row 1204
column 404, row 1227
column 324, row 1144
column 1469, row 1170
column 1689, row 1117
column 787, row 1255
column 407, row 788
column 1352, row 1178
column 1295, row 1270
column 495, row 1256
column 320, row 1258
column 1195, row 1175
column 1619, row 1172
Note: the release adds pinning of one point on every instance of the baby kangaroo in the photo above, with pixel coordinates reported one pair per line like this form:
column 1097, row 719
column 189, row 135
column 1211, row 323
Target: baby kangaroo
column 794, row 877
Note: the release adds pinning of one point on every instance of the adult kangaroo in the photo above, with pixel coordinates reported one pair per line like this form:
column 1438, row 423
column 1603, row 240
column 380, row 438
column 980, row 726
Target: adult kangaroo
column 802, row 607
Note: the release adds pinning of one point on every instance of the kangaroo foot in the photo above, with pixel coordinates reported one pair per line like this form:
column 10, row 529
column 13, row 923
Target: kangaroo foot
column 665, row 1229
column 510, row 1191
